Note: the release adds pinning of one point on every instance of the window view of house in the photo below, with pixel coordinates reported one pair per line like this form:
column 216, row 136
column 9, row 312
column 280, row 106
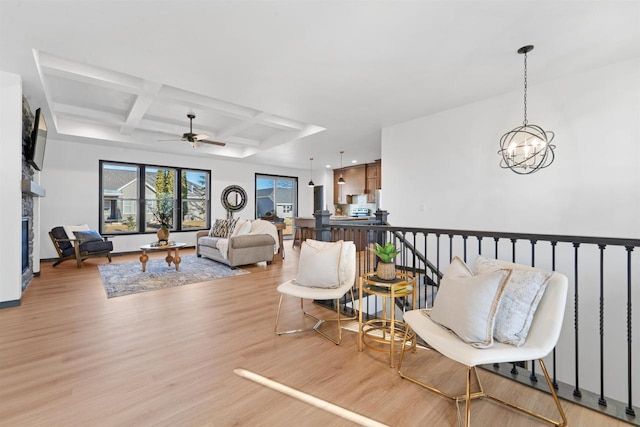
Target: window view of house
column 277, row 196
column 194, row 190
column 127, row 187
column 119, row 197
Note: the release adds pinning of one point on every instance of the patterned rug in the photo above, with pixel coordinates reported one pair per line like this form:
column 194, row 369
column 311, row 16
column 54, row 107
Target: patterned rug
column 127, row 278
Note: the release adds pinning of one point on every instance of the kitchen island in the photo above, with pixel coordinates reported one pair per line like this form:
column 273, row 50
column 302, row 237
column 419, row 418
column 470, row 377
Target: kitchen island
column 308, row 224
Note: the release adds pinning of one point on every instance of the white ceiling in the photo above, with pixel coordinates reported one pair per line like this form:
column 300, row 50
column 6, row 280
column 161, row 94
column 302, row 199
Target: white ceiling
column 282, row 81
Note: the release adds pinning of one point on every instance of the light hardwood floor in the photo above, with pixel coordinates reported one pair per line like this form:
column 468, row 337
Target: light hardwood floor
column 71, row 357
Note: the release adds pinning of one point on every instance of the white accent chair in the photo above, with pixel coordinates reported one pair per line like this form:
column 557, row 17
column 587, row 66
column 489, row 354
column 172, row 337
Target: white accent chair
column 540, row 342
column 321, row 277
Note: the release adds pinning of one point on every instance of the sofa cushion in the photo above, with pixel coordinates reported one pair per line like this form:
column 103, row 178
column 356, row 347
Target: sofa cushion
column 243, row 227
column 222, row 228
column 208, row 241
column 96, row 246
column 91, row 247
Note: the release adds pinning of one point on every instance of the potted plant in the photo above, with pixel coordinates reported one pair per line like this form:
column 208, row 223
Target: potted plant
column 386, row 268
column 164, row 215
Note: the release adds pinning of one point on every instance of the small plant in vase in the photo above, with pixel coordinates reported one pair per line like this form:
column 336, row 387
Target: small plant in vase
column 386, row 268
column 164, row 215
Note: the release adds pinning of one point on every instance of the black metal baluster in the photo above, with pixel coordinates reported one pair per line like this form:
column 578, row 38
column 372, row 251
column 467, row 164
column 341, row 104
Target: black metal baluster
column 464, row 240
column 629, row 409
column 576, row 391
column 426, row 258
column 438, row 256
column 533, row 376
column 450, row 247
column 553, row 268
column 479, row 245
column 602, row 401
column 496, row 247
column 514, row 367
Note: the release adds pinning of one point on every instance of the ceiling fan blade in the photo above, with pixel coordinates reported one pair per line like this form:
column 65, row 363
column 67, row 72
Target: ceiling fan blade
column 200, row 136
column 205, row 141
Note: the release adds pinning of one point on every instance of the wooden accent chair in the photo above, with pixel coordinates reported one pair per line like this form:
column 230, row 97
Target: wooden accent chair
column 72, row 248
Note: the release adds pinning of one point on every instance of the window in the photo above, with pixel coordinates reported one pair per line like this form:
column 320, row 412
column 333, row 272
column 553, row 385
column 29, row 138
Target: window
column 132, row 195
column 277, row 195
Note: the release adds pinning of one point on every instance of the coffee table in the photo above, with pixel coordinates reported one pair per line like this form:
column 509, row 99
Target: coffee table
column 175, row 257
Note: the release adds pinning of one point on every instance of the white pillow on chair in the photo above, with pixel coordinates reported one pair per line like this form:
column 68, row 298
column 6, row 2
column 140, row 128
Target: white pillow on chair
column 522, row 295
column 319, row 264
column 468, row 305
column 69, row 229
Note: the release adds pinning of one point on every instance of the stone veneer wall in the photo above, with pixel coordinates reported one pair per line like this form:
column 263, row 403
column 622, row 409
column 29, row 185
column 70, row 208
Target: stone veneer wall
column 27, row 174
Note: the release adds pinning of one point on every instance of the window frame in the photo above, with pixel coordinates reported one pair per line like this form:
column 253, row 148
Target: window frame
column 295, row 193
column 142, row 203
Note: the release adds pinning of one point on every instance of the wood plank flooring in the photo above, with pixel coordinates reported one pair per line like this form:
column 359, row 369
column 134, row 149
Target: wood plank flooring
column 71, row 357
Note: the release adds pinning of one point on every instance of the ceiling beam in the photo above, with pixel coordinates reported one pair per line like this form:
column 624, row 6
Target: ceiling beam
column 142, row 103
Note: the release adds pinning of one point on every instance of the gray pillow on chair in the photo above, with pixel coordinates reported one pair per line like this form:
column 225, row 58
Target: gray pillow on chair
column 87, row 236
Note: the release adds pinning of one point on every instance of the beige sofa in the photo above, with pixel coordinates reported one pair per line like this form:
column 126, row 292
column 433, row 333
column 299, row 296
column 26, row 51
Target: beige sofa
column 260, row 244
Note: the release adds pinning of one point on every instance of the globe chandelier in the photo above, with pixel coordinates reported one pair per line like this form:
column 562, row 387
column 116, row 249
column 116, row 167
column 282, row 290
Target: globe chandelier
column 526, row 149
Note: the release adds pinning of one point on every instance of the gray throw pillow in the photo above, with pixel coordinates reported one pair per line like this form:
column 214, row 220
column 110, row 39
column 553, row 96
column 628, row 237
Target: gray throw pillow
column 87, row 236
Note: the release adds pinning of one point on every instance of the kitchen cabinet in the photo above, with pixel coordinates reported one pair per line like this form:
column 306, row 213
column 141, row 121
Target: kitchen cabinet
column 374, row 180
column 355, row 183
column 361, row 179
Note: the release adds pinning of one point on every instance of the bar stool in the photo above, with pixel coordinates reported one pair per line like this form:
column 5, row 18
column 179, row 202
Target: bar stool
column 300, row 234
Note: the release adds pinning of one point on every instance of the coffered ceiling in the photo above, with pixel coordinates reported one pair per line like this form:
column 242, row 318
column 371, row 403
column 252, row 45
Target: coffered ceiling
column 281, row 81
column 86, row 101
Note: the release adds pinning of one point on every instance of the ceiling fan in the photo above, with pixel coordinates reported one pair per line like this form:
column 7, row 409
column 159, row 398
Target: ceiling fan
column 196, row 139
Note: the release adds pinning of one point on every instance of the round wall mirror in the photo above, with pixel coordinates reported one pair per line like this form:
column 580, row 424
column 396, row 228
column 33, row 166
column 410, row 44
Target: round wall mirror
column 234, row 198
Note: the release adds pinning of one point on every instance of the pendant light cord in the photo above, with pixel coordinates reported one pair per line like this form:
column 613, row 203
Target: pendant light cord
column 525, row 89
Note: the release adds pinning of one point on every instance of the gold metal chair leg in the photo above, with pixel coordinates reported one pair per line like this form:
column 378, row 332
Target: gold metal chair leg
column 319, row 321
column 535, row 414
column 469, row 396
column 275, row 329
column 467, row 417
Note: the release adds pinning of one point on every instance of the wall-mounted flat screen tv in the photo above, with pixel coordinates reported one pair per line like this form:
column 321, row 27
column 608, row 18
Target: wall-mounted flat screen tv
column 35, row 156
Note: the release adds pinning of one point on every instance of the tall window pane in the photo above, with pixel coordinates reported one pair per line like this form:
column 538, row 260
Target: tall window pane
column 277, row 195
column 119, row 198
column 160, row 198
column 194, row 191
column 265, row 197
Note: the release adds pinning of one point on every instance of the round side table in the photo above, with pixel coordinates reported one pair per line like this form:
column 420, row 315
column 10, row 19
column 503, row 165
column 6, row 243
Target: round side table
column 382, row 334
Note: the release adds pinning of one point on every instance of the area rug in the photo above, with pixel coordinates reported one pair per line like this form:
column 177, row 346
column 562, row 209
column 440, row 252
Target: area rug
column 127, row 278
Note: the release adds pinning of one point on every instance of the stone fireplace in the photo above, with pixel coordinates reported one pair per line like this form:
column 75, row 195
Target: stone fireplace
column 28, row 198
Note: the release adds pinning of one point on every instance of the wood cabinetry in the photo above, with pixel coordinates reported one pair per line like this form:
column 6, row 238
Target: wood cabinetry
column 355, row 182
column 374, row 180
column 361, row 179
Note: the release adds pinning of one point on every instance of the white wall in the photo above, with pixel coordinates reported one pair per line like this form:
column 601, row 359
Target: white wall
column 448, row 161
column 10, row 186
column 442, row 171
column 70, row 177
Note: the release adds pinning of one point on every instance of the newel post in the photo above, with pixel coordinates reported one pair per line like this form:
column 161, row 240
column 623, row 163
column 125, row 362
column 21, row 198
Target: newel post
column 322, row 219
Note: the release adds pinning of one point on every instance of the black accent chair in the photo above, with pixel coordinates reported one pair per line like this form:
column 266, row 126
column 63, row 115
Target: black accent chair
column 72, row 248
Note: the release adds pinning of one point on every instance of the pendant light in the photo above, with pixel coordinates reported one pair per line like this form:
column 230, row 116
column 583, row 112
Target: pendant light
column 341, row 180
column 526, row 149
column 311, row 184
